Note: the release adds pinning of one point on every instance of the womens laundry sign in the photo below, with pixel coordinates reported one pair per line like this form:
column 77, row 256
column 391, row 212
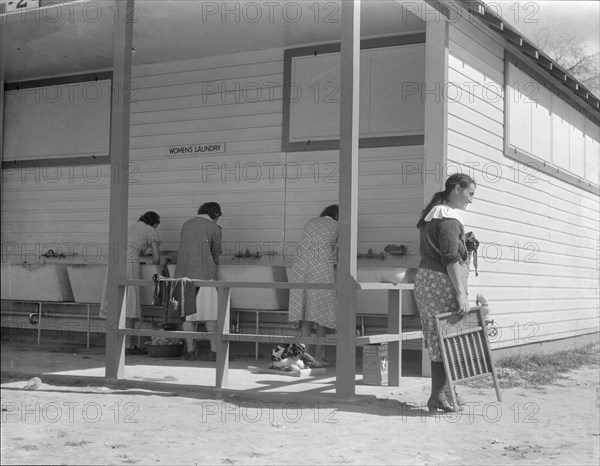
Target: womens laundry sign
column 196, row 149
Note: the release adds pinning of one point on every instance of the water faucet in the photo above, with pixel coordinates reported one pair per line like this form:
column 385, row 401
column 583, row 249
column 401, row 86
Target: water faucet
column 395, row 250
column 51, row 253
column 372, row 255
column 248, row 254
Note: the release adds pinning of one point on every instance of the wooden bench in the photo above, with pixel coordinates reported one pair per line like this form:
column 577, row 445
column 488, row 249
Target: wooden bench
column 413, row 336
column 257, row 313
column 115, row 360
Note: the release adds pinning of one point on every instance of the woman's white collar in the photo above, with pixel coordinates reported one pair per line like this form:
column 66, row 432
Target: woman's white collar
column 443, row 211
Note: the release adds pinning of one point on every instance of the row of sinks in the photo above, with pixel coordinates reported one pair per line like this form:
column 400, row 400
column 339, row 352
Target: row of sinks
column 84, row 282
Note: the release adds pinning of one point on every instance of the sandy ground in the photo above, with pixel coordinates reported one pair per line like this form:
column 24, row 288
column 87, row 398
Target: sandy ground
column 51, row 424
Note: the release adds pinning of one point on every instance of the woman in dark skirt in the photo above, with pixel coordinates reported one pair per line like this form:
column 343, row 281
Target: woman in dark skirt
column 441, row 283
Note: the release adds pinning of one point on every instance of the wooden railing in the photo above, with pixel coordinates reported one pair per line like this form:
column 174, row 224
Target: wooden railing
column 223, row 336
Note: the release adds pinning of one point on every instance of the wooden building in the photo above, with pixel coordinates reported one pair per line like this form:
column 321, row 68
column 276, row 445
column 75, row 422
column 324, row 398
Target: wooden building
column 239, row 103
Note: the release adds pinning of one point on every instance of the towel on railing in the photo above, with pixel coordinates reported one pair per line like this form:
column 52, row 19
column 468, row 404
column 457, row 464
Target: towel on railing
column 178, row 297
column 161, row 287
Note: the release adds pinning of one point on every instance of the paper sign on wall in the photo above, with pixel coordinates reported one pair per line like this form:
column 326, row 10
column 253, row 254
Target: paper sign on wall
column 196, row 149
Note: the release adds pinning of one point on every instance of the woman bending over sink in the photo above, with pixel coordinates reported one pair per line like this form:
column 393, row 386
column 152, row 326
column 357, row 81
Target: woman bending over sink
column 198, row 258
column 143, row 244
column 314, row 263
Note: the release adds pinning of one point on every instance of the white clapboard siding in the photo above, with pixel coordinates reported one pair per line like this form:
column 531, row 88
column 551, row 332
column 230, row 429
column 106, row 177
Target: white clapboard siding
column 190, row 137
column 235, row 100
column 172, row 104
column 390, row 196
column 216, row 111
column 520, row 295
column 266, row 89
column 180, row 104
column 266, row 195
column 64, row 209
column 210, row 124
column 539, row 235
column 479, row 50
column 529, row 329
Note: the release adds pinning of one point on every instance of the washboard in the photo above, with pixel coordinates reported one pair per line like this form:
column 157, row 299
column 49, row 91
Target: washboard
column 465, row 349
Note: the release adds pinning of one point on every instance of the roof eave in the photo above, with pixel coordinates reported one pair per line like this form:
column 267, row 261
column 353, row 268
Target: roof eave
column 488, row 16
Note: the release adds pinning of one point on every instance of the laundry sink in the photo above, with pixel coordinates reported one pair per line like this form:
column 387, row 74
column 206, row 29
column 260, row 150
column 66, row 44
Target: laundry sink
column 36, row 282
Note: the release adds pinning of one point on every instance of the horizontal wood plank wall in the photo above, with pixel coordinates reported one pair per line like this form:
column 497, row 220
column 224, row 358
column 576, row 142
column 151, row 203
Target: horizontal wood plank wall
column 235, row 100
column 390, row 198
column 60, row 208
column 538, row 259
column 266, row 195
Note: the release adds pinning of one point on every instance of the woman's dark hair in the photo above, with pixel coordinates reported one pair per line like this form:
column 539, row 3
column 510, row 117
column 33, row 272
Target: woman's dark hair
column 150, row 218
column 458, row 179
column 331, row 211
column 212, row 209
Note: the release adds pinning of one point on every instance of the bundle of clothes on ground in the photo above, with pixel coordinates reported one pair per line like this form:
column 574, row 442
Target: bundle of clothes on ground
column 291, row 358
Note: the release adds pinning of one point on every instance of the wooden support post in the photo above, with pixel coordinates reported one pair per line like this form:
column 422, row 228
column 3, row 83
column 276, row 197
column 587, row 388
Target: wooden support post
column 222, row 345
column 119, row 191
column 257, row 327
column 436, row 108
column 39, row 322
column 2, row 55
column 348, row 198
column 87, row 333
column 436, row 123
column 395, row 328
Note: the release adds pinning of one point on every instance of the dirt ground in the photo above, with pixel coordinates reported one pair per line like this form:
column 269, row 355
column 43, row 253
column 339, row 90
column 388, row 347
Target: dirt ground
column 51, row 424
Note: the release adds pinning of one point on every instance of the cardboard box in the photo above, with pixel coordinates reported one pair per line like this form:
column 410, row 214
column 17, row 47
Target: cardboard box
column 375, row 364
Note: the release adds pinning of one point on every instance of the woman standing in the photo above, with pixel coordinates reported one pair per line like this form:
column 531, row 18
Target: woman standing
column 314, row 263
column 441, row 283
column 142, row 237
column 198, row 258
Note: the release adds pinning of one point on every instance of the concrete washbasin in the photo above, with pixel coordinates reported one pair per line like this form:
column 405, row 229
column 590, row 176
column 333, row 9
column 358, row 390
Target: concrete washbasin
column 376, row 301
column 36, row 282
column 87, row 282
column 84, row 283
column 253, row 298
column 368, row 301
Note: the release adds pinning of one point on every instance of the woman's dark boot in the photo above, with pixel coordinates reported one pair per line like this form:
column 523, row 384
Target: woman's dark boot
column 438, row 400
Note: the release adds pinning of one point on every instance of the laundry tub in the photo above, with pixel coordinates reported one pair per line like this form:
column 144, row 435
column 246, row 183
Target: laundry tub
column 376, row 301
column 36, row 282
column 255, row 298
column 87, row 281
column 252, row 298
